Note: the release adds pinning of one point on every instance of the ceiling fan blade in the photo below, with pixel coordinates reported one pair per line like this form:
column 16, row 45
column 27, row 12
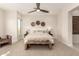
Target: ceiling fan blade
column 32, row 11
column 38, row 5
column 44, row 11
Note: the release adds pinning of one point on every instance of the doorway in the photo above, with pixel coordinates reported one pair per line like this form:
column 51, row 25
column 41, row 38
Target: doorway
column 19, row 29
column 75, row 23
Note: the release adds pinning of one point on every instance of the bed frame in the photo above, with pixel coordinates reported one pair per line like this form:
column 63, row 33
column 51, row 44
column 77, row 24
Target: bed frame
column 28, row 44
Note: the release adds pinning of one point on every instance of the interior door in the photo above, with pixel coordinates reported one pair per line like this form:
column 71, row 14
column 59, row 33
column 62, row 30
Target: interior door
column 75, row 24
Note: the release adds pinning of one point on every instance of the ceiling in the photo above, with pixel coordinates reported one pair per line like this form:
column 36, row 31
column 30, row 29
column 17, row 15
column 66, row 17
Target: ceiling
column 24, row 8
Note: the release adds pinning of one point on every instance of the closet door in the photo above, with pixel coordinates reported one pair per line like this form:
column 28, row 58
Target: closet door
column 75, row 22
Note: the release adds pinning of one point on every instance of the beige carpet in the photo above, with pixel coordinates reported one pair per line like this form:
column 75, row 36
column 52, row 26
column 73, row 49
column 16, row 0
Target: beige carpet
column 17, row 49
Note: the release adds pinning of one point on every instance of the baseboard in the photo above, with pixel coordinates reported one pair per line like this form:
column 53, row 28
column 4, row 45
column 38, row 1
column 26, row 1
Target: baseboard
column 66, row 43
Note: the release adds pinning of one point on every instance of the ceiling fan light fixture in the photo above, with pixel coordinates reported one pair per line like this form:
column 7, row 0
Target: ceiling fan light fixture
column 38, row 10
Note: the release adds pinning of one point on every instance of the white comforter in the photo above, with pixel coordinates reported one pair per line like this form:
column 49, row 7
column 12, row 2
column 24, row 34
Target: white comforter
column 38, row 37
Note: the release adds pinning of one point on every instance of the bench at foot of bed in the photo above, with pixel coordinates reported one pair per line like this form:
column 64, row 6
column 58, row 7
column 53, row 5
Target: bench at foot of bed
column 27, row 46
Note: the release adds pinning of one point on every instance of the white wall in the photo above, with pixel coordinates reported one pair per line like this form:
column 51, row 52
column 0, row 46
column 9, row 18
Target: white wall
column 8, row 24
column 11, row 24
column 2, row 16
column 64, row 25
column 63, row 28
column 50, row 21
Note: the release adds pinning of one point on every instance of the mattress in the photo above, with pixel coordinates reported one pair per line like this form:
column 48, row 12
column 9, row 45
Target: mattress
column 38, row 37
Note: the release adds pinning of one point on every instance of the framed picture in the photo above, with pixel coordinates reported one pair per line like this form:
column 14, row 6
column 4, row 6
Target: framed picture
column 38, row 22
column 42, row 23
column 32, row 23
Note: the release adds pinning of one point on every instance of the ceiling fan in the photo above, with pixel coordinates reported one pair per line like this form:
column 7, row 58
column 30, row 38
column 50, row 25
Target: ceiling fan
column 37, row 9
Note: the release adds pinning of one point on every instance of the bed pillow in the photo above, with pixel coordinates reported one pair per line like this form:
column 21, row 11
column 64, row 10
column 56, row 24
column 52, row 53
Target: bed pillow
column 38, row 31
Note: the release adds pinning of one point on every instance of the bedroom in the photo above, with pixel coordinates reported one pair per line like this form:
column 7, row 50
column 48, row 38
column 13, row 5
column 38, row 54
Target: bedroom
column 15, row 21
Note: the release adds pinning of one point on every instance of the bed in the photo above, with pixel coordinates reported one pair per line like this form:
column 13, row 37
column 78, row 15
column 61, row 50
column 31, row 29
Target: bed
column 38, row 37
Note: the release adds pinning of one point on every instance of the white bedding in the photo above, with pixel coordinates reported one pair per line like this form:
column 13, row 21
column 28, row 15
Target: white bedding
column 38, row 36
